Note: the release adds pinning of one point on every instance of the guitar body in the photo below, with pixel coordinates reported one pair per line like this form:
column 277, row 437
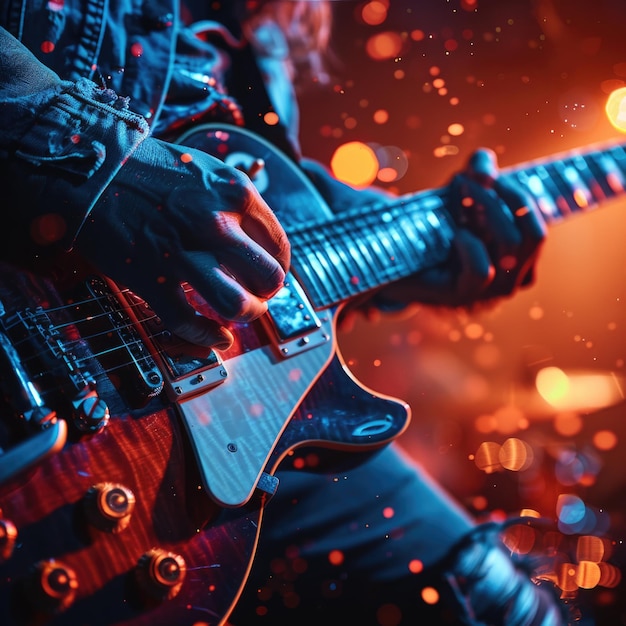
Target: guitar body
column 148, row 512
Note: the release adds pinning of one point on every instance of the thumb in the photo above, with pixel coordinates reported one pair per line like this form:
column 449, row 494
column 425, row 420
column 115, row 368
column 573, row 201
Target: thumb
column 171, row 305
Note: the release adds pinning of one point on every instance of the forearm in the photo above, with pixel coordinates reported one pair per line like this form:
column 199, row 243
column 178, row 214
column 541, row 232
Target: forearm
column 61, row 143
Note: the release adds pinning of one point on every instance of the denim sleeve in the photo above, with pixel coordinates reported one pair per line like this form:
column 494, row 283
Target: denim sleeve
column 61, row 143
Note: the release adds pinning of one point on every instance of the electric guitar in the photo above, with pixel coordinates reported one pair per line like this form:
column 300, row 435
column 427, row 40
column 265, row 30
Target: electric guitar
column 133, row 477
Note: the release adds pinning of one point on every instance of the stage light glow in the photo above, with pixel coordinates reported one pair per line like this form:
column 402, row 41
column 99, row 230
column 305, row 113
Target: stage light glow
column 578, row 390
column 615, row 108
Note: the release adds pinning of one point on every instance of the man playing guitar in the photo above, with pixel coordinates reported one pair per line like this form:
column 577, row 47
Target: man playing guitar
column 90, row 166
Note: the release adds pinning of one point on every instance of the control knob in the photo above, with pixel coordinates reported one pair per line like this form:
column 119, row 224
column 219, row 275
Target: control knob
column 53, row 586
column 8, row 538
column 160, row 574
column 109, row 506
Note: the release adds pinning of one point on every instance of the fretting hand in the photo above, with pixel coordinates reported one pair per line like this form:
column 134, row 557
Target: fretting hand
column 497, row 241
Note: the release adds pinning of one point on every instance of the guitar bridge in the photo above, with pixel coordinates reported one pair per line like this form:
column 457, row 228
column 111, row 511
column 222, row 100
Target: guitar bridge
column 185, row 374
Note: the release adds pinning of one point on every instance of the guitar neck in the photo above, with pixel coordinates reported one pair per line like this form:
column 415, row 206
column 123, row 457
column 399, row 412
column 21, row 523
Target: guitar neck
column 370, row 246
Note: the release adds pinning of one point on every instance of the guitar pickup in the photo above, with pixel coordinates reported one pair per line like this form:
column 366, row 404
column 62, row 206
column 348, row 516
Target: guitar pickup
column 293, row 321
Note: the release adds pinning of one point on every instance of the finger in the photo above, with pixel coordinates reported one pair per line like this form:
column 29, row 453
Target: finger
column 261, row 225
column 224, row 294
column 460, row 282
column 527, row 215
column 477, row 271
column 482, row 166
column 249, row 262
column 168, row 301
column 483, row 212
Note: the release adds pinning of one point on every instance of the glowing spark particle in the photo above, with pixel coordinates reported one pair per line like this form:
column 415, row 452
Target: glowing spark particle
column 136, row 49
column 271, row 118
column 383, row 46
column 381, row 116
column 416, row 566
column 335, row 557
column 388, row 512
column 186, row 157
column 374, row 13
column 295, row 374
column 430, row 595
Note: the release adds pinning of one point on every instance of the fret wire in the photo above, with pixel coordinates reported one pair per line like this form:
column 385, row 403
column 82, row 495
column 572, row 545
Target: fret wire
column 619, row 155
column 579, row 191
column 375, row 265
column 308, row 263
column 533, row 184
column 596, row 177
column 386, row 244
column 411, row 238
column 399, row 246
column 334, row 249
column 566, row 190
column 342, row 240
column 608, row 174
column 363, row 237
column 318, row 256
column 553, row 189
column 432, row 232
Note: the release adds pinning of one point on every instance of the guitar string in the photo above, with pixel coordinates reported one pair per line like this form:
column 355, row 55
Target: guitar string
column 68, row 345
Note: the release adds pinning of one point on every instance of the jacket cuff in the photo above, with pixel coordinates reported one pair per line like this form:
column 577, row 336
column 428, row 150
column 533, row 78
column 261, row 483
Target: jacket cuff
column 77, row 145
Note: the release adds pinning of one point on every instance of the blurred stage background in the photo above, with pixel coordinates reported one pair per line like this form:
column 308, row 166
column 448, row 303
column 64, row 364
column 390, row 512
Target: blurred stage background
column 427, row 82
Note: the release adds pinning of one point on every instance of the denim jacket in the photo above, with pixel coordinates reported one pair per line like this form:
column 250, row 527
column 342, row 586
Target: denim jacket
column 65, row 133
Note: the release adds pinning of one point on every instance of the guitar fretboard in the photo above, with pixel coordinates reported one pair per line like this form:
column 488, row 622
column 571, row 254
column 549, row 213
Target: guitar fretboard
column 365, row 248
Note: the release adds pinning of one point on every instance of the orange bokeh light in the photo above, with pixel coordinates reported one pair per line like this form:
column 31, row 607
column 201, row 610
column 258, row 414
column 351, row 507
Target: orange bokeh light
column 355, row 163
column 384, row 46
column 375, row 12
column 616, row 108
